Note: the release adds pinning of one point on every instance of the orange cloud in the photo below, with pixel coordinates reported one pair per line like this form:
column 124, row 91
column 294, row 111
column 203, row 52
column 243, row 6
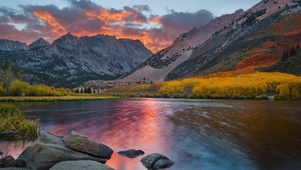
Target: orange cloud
column 85, row 18
column 48, row 18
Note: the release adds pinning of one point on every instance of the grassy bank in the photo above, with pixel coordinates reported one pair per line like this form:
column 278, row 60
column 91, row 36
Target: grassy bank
column 13, row 124
column 53, row 98
column 245, row 86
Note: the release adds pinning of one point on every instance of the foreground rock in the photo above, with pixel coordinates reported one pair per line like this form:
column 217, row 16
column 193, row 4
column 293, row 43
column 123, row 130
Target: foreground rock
column 80, row 165
column 131, row 153
column 9, row 161
column 82, row 143
column 156, row 161
column 49, row 150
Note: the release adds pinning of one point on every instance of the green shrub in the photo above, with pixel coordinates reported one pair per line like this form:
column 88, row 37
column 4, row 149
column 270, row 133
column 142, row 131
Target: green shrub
column 177, row 95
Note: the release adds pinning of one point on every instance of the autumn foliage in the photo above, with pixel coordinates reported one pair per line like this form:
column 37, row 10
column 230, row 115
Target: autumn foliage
column 250, row 86
column 258, row 60
column 19, row 88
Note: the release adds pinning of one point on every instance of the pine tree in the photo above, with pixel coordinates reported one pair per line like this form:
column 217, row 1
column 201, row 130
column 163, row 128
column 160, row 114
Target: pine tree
column 293, row 51
column 285, row 55
column 297, row 47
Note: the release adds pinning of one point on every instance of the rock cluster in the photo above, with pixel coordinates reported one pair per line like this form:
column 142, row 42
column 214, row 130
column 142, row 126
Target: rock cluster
column 75, row 151
column 50, row 150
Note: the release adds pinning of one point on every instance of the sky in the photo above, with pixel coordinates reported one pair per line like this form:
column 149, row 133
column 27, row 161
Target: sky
column 156, row 23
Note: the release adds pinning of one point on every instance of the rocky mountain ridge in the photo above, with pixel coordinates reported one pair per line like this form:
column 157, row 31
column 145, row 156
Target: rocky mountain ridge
column 8, row 45
column 71, row 60
column 160, row 64
column 195, row 52
column 255, row 43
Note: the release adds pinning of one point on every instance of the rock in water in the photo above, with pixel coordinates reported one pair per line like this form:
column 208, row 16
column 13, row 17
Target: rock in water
column 82, row 143
column 131, row 153
column 49, row 150
column 80, row 165
column 156, row 161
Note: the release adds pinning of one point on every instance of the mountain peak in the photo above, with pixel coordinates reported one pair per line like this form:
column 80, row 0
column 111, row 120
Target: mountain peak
column 39, row 43
column 69, row 35
column 9, row 45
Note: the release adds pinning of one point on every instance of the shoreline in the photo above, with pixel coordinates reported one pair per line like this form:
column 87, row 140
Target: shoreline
column 53, row 98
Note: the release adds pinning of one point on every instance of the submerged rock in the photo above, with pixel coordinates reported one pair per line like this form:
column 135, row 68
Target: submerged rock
column 49, row 150
column 131, row 153
column 156, row 161
column 84, row 144
column 80, row 165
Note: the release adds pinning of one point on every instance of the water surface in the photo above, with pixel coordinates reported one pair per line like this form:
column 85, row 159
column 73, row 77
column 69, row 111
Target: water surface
column 196, row 134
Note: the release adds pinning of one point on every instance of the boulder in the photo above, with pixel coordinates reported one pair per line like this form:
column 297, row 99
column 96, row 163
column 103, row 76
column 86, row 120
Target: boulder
column 49, row 150
column 84, row 144
column 131, row 153
column 156, row 161
column 80, row 165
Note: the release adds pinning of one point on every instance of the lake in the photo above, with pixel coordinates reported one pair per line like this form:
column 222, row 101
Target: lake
column 195, row 134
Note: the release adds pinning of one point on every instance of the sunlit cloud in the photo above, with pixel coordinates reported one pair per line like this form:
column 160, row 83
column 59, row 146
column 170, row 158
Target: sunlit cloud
column 85, row 18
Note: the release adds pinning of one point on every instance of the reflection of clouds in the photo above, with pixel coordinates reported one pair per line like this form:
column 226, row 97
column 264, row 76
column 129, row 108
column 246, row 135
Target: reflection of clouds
column 193, row 133
column 13, row 148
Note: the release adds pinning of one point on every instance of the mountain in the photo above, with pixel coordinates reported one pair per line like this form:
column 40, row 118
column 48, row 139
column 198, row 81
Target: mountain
column 158, row 66
column 71, row 60
column 253, row 42
column 39, row 43
column 242, row 41
column 8, row 45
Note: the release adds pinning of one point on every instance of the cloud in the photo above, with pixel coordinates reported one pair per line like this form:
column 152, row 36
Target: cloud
column 184, row 20
column 86, row 18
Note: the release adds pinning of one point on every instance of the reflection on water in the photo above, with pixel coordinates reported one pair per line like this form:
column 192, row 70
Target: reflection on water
column 196, row 134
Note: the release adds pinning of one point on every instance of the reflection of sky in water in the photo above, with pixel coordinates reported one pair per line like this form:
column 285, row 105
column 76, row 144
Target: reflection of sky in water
column 196, row 134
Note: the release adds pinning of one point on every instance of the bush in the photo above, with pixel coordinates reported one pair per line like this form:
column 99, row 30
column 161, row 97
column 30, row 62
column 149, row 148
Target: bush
column 177, row 95
column 165, row 95
column 17, row 88
column 184, row 96
column 2, row 91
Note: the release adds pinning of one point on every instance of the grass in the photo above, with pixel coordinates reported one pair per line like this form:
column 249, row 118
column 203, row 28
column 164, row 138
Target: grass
column 12, row 119
column 53, row 98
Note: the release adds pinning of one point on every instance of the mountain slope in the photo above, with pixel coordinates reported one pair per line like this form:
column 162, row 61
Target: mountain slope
column 225, row 44
column 163, row 62
column 71, row 60
column 291, row 65
column 245, row 48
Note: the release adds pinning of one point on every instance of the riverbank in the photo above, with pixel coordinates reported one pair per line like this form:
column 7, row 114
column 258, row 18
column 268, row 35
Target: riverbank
column 53, row 98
